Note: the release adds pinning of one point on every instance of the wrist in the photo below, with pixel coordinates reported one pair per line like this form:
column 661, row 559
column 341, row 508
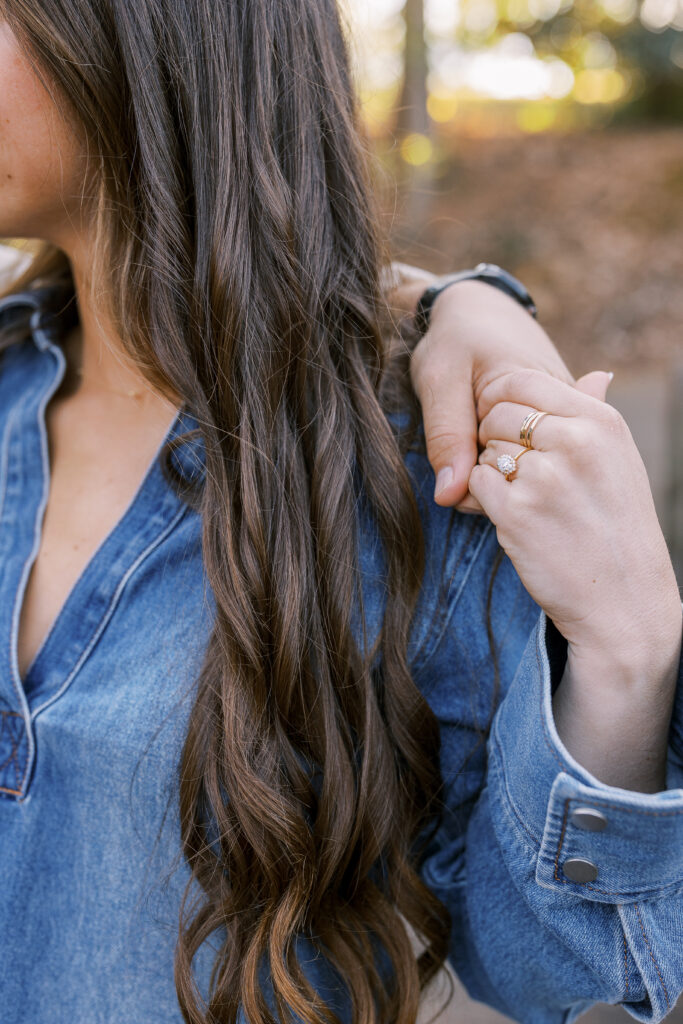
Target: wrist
column 614, row 714
column 493, row 276
column 471, row 297
column 619, row 735
column 639, row 658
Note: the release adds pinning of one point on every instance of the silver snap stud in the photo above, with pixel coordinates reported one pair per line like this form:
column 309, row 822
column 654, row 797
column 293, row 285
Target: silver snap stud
column 589, row 819
column 578, row 870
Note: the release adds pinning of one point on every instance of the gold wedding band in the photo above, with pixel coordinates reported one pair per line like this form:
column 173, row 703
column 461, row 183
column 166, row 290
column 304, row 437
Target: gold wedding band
column 507, row 464
column 527, row 428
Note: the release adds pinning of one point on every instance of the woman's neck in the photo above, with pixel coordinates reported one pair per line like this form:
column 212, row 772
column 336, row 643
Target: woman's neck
column 98, row 365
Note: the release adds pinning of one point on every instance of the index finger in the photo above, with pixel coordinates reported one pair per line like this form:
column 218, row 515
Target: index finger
column 539, row 391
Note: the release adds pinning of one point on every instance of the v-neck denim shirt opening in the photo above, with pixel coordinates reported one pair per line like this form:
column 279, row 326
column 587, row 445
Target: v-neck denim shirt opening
column 90, row 742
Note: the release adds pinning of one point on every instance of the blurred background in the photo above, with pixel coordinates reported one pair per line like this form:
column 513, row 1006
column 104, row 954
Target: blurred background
column 546, row 136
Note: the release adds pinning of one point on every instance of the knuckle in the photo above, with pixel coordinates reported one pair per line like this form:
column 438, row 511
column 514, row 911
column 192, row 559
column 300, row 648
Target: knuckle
column 492, row 391
column 544, row 480
column 520, row 379
column 438, row 430
column 502, row 388
column 555, row 478
column 487, row 426
column 440, row 443
column 612, row 419
column 578, row 438
column 586, row 439
column 495, row 417
column 608, row 430
column 585, row 453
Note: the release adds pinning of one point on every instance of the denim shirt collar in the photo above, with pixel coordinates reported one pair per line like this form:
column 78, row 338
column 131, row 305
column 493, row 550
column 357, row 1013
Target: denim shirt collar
column 45, row 331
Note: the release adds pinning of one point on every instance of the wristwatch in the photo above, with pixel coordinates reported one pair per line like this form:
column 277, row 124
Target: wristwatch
column 487, row 272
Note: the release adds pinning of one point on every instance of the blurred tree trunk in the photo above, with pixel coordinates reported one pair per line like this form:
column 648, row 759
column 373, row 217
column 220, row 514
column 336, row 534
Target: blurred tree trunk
column 414, row 181
column 412, row 111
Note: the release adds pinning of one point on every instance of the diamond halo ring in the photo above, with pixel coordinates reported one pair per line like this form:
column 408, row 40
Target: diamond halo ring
column 507, row 464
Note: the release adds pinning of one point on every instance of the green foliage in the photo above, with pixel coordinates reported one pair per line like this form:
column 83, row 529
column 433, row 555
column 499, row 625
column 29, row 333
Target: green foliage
column 641, row 38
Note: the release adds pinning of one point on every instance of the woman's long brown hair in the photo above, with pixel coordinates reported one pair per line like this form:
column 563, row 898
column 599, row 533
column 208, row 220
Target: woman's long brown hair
column 237, row 233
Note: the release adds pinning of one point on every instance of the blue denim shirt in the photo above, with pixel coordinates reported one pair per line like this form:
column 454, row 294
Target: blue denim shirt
column 90, row 742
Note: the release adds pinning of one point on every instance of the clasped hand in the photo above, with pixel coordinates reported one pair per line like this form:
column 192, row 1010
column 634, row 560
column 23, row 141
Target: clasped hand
column 577, row 517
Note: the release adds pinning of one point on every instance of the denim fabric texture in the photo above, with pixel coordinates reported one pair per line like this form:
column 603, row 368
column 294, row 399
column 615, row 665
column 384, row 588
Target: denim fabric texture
column 90, row 741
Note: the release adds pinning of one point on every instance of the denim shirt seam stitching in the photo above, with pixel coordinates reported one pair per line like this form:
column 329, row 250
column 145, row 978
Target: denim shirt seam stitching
column 652, row 956
column 586, row 885
column 44, row 396
column 109, row 611
column 4, row 464
column 497, row 768
column 6, row 789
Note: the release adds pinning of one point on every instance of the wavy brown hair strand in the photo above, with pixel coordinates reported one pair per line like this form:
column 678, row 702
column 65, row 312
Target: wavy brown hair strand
column 235, row 221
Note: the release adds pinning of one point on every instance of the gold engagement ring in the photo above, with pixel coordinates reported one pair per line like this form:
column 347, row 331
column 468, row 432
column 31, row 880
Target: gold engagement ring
column 507, row 464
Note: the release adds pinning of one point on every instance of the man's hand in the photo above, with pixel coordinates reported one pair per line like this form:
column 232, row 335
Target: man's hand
column 476, row 334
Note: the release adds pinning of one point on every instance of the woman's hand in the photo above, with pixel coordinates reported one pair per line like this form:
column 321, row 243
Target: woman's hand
column 578, row 521
column 476, row 334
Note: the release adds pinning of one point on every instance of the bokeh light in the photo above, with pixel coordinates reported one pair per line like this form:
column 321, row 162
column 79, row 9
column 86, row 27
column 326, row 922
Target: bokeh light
column 488, row 60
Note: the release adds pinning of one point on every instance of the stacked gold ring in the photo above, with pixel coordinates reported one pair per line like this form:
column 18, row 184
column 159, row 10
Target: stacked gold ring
column 527, row 428
column 507, row 464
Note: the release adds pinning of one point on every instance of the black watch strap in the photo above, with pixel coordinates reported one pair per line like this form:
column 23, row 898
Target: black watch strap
column 487, row 272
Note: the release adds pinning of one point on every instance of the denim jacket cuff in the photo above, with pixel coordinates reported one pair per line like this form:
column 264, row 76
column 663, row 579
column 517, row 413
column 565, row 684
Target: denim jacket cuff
column 638, row 851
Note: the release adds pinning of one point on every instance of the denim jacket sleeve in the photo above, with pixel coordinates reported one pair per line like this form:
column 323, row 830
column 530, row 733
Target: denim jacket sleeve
column 526, row 938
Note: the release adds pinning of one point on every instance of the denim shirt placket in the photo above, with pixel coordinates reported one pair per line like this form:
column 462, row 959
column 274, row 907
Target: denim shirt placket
column 151, row 515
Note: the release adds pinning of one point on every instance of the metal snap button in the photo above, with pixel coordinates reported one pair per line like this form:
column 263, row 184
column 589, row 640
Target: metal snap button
column 578, row 870
column 589, row 819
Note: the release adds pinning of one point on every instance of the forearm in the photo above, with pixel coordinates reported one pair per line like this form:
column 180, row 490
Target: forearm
column 613, row 713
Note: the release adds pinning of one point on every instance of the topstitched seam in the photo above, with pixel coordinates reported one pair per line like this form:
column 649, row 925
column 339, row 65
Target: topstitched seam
column 652, row 956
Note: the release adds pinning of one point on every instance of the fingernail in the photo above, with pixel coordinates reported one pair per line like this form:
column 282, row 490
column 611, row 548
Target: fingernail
column 443, row 478
column 611, row 376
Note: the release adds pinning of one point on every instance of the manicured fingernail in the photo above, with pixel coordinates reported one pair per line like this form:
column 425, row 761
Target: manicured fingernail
column 611, row 376
column 443, row 478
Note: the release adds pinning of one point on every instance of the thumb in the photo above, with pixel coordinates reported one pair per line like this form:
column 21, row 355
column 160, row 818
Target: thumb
column 595, row 384
column 450, row 425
